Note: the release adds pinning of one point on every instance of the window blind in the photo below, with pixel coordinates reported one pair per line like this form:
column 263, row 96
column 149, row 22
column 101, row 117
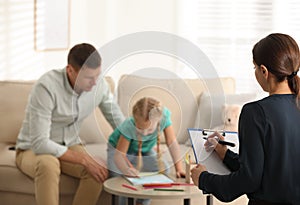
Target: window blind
column 226, row 30
column 17, row 57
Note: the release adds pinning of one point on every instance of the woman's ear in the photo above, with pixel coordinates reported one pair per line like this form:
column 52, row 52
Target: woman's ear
column 264, row 70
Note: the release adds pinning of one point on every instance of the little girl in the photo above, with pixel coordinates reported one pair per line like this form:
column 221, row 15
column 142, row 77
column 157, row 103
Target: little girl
column 130, row 147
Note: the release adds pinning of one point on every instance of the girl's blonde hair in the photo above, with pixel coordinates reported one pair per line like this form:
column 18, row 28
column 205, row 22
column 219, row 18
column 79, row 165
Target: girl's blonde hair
column 148, row 108
column 145, row 108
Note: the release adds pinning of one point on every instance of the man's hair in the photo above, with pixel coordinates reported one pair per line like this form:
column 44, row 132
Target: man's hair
column 84, row 55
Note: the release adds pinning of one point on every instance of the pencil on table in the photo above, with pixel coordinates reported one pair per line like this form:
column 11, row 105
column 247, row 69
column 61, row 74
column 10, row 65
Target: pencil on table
column 129, row 187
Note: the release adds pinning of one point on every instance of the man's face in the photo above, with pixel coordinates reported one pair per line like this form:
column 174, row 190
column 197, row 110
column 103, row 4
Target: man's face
column 84, row 79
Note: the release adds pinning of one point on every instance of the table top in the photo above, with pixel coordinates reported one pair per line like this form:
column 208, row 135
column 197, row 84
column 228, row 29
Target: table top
column 115, row 186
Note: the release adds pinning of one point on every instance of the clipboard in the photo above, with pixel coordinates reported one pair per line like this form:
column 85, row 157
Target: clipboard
column 210, row 159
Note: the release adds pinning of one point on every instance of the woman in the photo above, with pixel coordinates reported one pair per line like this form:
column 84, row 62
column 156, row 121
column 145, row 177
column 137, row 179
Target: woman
column 267, row 168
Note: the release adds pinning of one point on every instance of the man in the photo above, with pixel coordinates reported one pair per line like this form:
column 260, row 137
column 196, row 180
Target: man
column 48, row 143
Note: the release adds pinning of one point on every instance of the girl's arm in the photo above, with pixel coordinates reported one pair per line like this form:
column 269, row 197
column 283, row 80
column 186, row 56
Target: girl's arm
column 121, row 160
column 174, row 150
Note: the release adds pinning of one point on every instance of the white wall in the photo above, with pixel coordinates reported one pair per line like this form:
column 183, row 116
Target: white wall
column 93, row 21
column 100, row 22
column 108, row 20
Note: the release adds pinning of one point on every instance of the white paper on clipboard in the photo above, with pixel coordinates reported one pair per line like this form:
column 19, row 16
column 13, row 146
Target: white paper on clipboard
column 210, row 159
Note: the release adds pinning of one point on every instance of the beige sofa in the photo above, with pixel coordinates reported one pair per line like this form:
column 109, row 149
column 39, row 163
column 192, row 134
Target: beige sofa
column 182, row 97
column 15, row 187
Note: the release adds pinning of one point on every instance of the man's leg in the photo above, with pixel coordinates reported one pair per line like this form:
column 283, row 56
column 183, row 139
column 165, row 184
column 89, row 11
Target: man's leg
column 89, row 189
column 45, row 170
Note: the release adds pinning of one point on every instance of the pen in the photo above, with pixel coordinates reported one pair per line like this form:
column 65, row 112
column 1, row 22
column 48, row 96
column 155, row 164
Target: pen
column 168, row 189
column 129, row 187
column 222, row 142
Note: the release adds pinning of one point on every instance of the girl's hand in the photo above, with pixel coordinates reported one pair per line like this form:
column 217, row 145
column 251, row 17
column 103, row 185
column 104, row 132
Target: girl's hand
column 132, row 172
column 180, row 174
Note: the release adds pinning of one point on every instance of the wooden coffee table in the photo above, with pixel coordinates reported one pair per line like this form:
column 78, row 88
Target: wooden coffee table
column 115, row 187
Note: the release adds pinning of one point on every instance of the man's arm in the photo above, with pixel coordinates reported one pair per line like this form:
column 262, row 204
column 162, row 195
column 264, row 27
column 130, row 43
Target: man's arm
column 41, row 105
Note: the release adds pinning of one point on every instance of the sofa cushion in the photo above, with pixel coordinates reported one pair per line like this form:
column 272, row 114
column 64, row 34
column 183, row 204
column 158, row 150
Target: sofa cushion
column 178, row 95
column 210, row 106
column 95, row 128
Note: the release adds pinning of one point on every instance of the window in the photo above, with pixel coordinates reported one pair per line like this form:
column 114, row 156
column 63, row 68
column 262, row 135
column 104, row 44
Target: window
column 226, row 31
column 51, row 25
column 17, row 57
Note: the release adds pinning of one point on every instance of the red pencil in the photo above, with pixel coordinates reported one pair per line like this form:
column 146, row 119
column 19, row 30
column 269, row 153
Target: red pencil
column 157, row 185
column 129, row 187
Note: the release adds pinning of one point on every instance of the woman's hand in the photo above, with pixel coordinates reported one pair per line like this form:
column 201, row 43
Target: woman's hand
column 180, row 174
column 212, row 143
column 196, row 172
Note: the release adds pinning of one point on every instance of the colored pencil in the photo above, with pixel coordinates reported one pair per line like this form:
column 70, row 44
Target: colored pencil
column 158, row 189
column 129, row 187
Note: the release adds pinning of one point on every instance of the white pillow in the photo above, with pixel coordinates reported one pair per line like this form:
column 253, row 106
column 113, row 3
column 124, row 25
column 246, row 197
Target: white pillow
column 210, row 107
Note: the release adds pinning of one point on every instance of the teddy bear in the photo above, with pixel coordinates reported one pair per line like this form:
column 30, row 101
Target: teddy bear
column 230, row 117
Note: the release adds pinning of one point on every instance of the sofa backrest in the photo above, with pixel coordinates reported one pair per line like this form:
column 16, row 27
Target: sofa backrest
column 13, row 101
column 180, row 96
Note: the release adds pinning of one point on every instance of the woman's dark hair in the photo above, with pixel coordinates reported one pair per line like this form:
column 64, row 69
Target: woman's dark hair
column 84, row 54
column 279, row 53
